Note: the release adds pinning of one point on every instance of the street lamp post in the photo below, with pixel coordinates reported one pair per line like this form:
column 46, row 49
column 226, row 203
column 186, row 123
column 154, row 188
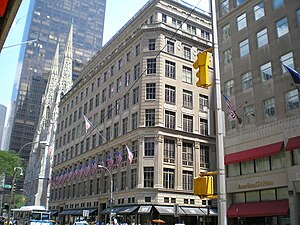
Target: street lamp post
column 111, row 193
column 15, row 174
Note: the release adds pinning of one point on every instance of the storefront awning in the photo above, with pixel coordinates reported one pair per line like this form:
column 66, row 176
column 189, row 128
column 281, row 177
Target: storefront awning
column 128, row 209
column 259, row 209
column 193, row 211
column 293, row 143
column 53, row 212
column 144, row 209
column 254, row 153
column 77, row 212
column 114, row 210
column 167, row 210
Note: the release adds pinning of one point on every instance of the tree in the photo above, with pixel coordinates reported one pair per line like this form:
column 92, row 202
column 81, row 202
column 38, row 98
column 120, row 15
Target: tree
column 8, row 161
column 19, row 201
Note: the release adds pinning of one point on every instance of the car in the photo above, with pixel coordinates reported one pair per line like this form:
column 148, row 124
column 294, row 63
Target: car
column 80, row 223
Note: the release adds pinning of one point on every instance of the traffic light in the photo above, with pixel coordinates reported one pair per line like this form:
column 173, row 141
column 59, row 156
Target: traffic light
column 202, row 63
column 204, row 186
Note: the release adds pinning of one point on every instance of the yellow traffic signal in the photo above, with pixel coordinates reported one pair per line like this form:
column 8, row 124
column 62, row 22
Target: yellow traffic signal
column 202, row 63
column 204, row 186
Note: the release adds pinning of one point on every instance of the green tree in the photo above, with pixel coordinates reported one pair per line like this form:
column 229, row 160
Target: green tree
column 8, row 161
column 19, row 201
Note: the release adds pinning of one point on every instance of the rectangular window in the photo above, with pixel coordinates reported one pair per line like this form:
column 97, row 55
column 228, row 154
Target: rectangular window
column 287, row 60
column 187, row 99
column 169, row 151
column 170, row 94
column 120, row 64
column 91, row 104
column 259, row 11
column 170, row 119
column 239, row 2
column 282, row 27
column 117, row 107
column 292, row 100
column 191, row 29
column 244, row 48
column 227, row 56
column 269, row 108
column 151, row 45
column 150, row 117
column 126, row 101
column 170, row 69
column 135, row 96
column 116, row 130
column 249, row 113
column 112, row 70
column 266, row 71
column 119, row 84
column 137, row 50
column 97, row 101
column 163, row 18
column 176, row 23
column 187, row 180
column 134, row 120
column 150, row 91
column 277, row 4
column 123, row 180
column 187, row 53
column 108, row 133
column 241, row 21
column 169, row 178
column 102, row 116
column 151, row 66
column 103, row 95
column 226, row 31
column 262, row 38
column 203, row 103
column 187, row 154
column 110, row 90
column 133, row 178
column 224, row 7
column 298, row 16
column 127, row 78
column 246, row 81
column 170, row 46
column 187, row 123
column 149, row 146
column 125, row 125
column 204, row 156
column 148, row 176
column 203, row 126
column 109, row 111
column 137, row 71
column 187, row 74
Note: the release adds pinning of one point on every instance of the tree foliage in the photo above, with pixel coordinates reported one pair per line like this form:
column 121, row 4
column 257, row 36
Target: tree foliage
column 8, row 161
column 19, row 201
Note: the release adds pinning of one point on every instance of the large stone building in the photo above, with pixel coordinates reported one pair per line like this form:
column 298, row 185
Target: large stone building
column 139, row 92
column 262, row 153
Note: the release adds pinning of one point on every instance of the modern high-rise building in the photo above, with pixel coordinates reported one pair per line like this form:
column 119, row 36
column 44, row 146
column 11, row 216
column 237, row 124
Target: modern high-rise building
column 139, row 92
column 2, row 122
column 262, row 152
column 48, row 24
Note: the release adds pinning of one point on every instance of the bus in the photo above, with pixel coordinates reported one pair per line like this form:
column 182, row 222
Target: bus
column 31, row 215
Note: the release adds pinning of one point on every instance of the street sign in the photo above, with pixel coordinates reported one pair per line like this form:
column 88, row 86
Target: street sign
column 85, row 213
column 6, row 186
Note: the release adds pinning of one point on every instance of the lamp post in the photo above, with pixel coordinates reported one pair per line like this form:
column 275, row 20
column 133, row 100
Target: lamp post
column 111, row 193
column 11, row 201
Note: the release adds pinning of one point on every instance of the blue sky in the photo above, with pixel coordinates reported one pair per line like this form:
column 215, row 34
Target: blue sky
column 118, row 12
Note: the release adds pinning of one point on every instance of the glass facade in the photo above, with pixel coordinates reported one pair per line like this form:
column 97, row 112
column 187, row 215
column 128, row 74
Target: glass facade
column 49, row 22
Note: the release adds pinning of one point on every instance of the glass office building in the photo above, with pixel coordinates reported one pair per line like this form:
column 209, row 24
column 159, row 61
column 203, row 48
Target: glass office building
column 49, row 22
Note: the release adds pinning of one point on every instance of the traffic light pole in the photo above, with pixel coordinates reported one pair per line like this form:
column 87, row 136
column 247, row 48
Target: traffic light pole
column 221, row 183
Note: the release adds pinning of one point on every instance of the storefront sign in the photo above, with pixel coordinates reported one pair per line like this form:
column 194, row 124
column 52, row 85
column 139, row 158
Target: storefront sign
column 255, row 185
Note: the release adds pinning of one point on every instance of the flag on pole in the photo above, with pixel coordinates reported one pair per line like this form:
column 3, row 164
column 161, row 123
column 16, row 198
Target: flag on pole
column 130, row 155
column 87, row 168
column 70, row 174
column 88, row 123
column 229, row 106
column 119, row 158
column 109, row 161
column 295, row 75
column 94, row 166
column 80, row 171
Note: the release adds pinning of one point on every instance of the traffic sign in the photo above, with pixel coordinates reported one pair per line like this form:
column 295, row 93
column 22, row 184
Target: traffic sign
column 6, row 186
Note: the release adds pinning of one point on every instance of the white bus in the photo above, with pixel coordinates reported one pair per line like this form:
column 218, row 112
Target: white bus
column 31, row 215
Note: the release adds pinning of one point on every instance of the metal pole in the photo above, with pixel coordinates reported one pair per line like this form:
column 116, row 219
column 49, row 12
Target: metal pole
column 221, row 183
column 111, row 193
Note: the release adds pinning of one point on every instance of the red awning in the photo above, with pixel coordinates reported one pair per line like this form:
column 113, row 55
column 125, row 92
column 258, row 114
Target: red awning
column 254, row 153
column 293, row 143
column 259, row 209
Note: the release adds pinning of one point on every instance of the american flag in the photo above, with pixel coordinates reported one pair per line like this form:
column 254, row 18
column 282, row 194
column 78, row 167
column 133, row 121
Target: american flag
column 75, row 172
column 87, row 168
column 88, row 123
column 65, row 176
column 94, row 167
column 119, row 157
column 130, row 155
column 229, row 106
column 80, row 171
column 100, row 162
column 109, row 160
column 70, row 174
